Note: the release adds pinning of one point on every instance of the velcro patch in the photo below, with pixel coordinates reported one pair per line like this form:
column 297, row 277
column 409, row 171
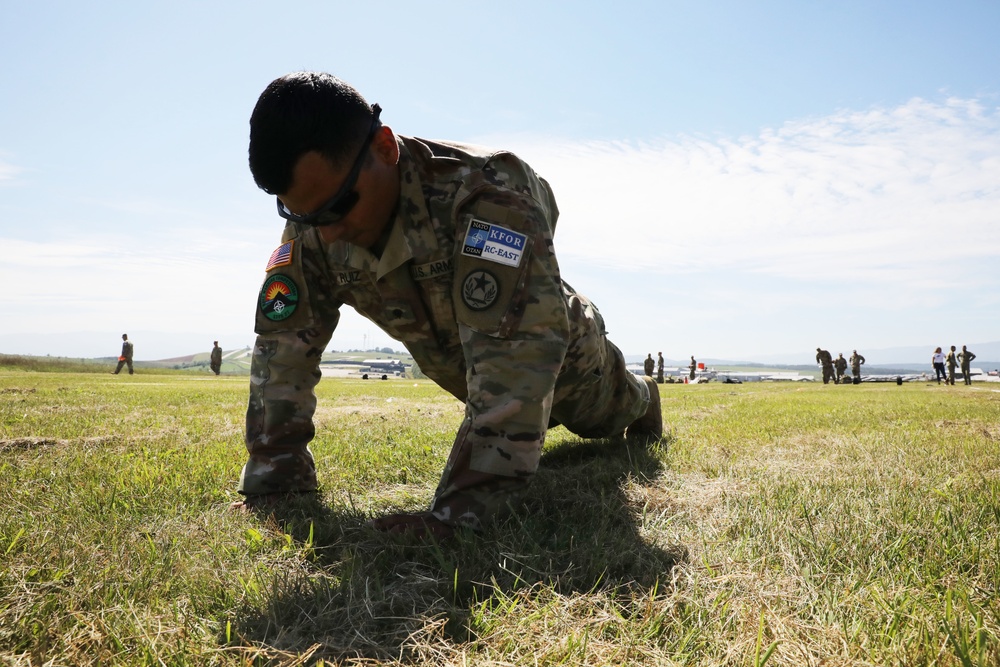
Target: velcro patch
column 279, row 297
column 282, row 255
column 432, row 269
column 480, row 290
column 490, row 241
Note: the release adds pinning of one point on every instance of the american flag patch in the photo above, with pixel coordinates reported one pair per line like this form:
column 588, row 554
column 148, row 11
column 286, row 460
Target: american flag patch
column 281, row 256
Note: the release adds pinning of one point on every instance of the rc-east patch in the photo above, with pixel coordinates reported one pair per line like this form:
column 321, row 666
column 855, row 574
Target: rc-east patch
column 490, row 271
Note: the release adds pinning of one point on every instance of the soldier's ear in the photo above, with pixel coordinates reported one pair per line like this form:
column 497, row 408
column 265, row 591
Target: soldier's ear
column 385, row 147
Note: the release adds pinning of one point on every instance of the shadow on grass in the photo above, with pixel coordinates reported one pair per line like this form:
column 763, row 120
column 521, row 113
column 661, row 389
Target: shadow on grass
column 367, row 596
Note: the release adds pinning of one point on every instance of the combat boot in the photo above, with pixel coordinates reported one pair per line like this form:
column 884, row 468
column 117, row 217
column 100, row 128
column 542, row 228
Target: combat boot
column 650, row 425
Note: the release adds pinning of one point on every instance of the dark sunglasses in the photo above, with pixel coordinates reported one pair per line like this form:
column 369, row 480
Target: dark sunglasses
column 337, row 206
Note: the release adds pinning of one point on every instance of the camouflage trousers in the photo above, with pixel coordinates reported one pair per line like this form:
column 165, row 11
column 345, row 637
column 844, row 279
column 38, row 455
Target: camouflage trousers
column 598, row 403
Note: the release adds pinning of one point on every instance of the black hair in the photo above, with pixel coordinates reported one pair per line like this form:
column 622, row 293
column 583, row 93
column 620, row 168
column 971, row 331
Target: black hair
column 302, row 112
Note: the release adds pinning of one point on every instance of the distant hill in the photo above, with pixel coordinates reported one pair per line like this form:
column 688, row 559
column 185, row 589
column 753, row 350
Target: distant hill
column 234, row 362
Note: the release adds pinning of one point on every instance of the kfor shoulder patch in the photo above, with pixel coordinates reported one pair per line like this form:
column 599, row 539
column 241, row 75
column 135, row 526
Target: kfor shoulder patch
column 282, row 255
column 279, row 297
column 490, row 241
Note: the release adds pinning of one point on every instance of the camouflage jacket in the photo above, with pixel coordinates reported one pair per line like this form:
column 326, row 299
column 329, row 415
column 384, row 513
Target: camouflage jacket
column 468, row 282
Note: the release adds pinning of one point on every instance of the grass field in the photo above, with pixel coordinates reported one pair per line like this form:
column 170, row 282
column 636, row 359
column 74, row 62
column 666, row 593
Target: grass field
column 778, row 524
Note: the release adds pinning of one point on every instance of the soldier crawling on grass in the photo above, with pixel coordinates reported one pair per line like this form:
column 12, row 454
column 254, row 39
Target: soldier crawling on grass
column 449, row 249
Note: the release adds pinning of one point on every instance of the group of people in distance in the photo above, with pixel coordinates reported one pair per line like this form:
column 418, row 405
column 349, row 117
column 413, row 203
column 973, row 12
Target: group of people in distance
column 952, row 360
column 834, row 369
column 649, row 364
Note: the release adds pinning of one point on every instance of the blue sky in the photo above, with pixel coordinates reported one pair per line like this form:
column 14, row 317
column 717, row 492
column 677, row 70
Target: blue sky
column 735, row 179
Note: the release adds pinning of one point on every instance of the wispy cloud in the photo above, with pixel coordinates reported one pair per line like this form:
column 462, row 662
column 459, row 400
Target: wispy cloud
column 83, row 284
column 883, row 192
column 8, row 171
column 873, row 228
column 868, row 222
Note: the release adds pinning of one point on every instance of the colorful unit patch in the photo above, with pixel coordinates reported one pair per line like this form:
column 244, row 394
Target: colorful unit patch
column 281, row 256
column 279, row 297
column 493, row 242
column 480, row 290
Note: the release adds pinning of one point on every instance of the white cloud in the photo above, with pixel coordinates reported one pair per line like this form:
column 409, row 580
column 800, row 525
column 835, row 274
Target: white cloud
column 875, row 193
column 862, row 224
column 8, row 171
column 859, row 229
column 81, row 284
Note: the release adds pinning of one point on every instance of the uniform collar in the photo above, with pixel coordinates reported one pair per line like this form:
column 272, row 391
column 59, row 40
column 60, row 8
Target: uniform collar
column 411, row 234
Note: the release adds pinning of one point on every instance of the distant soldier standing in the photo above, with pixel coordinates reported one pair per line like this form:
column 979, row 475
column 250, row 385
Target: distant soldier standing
column 215, row 363
column 856, row 361
column 125, row 357
column 951, row 359
column 823, row 357
column 693, row 366
column 966, row 357
column 647, row 365
column 659, row 368
column 840, row 365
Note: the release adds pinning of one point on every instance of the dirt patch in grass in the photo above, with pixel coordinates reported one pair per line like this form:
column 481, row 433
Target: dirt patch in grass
column 36, row 442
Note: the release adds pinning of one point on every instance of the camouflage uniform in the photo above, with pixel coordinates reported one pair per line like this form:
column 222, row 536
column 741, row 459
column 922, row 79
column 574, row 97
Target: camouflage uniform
column 215, row 362
column 659, row 368
column 647, row 365
column 125, row 358
column 468, row 282
column 840, row 365
column 951, row 361
column 965, row 357
column 693, row 366
column 823, row 357
column 856, row 361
